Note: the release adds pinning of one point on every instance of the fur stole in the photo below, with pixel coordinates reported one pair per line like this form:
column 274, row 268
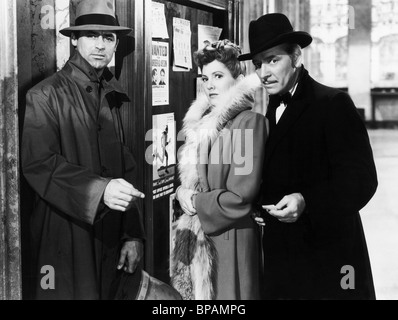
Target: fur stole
column 194, row 258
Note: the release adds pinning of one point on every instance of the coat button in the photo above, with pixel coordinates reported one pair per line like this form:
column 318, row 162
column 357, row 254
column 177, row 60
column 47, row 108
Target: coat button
column 89, row 89
column 103, row 170
column 99, row 127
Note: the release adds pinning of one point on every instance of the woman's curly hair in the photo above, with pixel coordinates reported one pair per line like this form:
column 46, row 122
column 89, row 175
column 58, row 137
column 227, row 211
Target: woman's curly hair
column 224, row 51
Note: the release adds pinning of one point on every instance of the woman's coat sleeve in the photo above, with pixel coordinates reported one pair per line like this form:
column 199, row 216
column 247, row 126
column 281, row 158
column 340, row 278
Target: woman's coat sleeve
column 220, row 209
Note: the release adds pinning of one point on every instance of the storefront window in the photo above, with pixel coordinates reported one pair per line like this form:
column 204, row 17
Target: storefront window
column 328, row 54
column 384, row 43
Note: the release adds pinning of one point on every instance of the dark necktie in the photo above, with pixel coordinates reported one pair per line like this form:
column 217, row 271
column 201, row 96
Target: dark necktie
column 274, row 103
column 285, row 98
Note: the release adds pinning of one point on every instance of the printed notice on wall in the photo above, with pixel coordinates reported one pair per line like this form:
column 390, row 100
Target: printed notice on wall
column 207, row 35
column 159, row 26
column 182, row 43
column 163, row 154
column 160, row 73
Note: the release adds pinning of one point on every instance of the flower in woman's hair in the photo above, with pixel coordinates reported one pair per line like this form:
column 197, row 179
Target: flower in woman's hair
column 210, row 47
column 223, row 45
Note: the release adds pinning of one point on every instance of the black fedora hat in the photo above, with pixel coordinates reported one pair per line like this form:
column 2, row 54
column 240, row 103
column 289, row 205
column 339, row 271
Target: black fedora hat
column 271, row 30
column 96, row 15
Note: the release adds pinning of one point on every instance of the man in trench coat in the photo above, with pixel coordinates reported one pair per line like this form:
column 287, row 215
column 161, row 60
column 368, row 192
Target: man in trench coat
column 86, row 227
column 318, row 173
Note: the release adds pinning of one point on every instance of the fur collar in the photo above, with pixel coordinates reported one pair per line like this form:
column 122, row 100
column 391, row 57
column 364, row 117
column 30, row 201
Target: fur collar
column 201, row 128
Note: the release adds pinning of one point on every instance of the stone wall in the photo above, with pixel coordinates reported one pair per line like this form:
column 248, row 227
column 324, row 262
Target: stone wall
column 10, row 244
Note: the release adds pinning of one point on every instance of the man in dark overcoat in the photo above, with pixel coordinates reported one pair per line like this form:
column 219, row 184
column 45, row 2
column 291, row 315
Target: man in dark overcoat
column 86, row 226
column 318, row 173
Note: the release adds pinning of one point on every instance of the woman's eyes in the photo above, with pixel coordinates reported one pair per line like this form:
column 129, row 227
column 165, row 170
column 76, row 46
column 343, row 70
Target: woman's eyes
column 217, row 76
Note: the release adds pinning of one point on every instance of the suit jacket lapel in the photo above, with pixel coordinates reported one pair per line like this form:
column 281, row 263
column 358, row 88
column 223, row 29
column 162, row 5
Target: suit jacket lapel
column 294, row 110
column 273, row 103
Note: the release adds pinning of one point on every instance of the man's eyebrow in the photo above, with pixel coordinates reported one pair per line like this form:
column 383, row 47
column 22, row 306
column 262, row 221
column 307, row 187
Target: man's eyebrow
column 99, row 33
column 267, row 58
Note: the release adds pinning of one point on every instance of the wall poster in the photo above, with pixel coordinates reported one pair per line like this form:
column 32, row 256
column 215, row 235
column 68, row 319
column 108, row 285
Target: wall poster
column 160, row 73
column 163, row 154
column 159, row 25
column 182, row 43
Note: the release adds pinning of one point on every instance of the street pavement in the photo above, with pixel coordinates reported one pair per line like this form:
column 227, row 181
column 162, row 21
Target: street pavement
column 380, row 216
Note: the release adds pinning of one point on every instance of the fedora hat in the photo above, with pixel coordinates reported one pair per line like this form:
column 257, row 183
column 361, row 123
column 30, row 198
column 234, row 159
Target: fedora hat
column 271, row 30
column 96, row 15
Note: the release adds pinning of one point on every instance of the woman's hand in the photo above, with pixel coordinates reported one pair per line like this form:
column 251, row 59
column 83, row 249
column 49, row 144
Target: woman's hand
column 259, row 220
column 184, row 196
column 257, row 216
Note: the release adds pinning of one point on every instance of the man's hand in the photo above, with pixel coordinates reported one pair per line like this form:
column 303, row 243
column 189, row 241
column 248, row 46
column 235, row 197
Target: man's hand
column 130, row 255
column 119, row 195
column 289, row 209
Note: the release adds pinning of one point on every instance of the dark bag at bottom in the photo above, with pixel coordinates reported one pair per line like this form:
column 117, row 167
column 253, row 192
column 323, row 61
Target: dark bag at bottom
column 141, row 286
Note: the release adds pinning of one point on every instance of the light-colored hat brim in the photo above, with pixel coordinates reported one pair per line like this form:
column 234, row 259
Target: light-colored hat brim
column 122, row 31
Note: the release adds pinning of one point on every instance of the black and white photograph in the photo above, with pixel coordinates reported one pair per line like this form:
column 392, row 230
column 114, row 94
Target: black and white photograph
column 221, row 152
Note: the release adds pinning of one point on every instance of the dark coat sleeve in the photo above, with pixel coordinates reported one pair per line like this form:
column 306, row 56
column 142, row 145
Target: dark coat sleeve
column 351, row 180
column 133, row 227
column 72, row 189
column 220, row 209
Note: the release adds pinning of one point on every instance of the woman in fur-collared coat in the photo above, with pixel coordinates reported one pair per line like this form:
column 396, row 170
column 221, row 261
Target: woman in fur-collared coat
column 217, row 251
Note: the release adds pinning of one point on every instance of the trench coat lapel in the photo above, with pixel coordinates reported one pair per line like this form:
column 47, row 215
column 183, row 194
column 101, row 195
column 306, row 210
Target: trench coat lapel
column 113, row 87
column 81, row 71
